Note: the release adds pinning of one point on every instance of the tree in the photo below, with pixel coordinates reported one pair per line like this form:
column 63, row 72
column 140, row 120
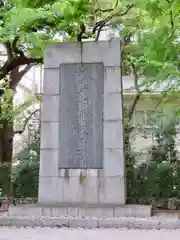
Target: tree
column 151, row 52
column 152, row 43
column 26, row 29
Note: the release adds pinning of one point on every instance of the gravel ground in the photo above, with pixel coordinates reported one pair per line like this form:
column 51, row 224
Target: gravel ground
column 82, row 234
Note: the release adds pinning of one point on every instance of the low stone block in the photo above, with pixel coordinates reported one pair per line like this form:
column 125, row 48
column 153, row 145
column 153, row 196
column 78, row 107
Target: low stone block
column 62, row 222
column 169, row 224
column 5, row 221
column 57, row 212
column 137, row 223
column 24, row 221
column 83, row 223
column 47, row 212
column 140, row 211
column 54, row 222
column 26, row 210
column 72, row 211
column 113, row 223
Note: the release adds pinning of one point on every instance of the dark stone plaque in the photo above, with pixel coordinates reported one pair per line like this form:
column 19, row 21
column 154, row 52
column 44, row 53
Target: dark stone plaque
column 81, row 115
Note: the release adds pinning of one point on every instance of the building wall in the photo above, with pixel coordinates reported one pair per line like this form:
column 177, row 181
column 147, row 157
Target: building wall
column 143, row 136
column 30, row 84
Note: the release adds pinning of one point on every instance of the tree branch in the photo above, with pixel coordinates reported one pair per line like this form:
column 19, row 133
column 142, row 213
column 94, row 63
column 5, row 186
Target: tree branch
column 26, row 122
column 14, row 43
column 15, row 49
column 9, row 50
column 106, row 10
column 17, row 62
column 138, row 92
column 172, row 24
column 100, row 24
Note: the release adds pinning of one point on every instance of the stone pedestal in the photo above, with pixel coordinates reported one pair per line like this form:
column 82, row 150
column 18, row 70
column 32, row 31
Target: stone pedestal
column 82, row 159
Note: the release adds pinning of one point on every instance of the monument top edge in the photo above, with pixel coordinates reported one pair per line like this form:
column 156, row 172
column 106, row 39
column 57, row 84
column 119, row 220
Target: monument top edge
column 84, row 42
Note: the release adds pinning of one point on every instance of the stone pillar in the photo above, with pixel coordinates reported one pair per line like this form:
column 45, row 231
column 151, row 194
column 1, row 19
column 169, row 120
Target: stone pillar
column 82, row 158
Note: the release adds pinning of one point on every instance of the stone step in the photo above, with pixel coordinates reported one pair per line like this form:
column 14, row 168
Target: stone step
column 89, row 223
column 89, row 210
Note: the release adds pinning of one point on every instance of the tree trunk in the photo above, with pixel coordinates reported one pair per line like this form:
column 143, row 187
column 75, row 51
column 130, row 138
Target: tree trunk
column 11, row 68
column 6, row 150
column 6, row 142
column 6, row 139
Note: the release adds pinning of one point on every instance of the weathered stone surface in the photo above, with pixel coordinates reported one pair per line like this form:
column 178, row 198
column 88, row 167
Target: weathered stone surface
column 169, row 224
column 83, row 223
column 113, row 223
column 26, row 210
column 50, row 108
column 144, row 223
column 55, row 222
column 54, row 186
column 72, row 190
column 112, row 81
column 79, row 210
column 49, row 164
column 62, row 53
column 140, row 211
column 89, row 222
column 113, row 135
column 107, row 52
column 113, row 166
column 111, row 100
column 5, row 221
column 51, row 84
column 49, row 135
column 86, row 79
column 109, row 191
column 81, row 115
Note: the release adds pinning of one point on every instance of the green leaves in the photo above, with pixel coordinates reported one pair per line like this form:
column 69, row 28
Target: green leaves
column 150, row 40
column 38, row 22
column 17, row 112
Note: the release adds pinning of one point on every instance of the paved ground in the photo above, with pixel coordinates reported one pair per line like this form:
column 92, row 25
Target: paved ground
column 81, row 234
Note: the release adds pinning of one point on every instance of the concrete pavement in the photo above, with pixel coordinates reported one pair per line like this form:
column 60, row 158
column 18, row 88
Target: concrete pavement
column 9, row 233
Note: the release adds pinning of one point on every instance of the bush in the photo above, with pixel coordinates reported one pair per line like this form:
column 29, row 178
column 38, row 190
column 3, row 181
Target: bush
column 5, row 175
column 148, row 182
column 159, row 177
column 25, row 174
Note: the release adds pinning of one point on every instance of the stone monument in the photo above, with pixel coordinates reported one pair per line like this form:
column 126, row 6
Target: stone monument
column 82, row 157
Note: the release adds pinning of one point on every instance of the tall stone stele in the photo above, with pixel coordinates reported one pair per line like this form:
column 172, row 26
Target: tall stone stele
column 82, row 157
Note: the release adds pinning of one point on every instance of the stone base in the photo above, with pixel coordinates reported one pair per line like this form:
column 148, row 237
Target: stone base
column 90, row 223
column 167, row 214
column 90, row 210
